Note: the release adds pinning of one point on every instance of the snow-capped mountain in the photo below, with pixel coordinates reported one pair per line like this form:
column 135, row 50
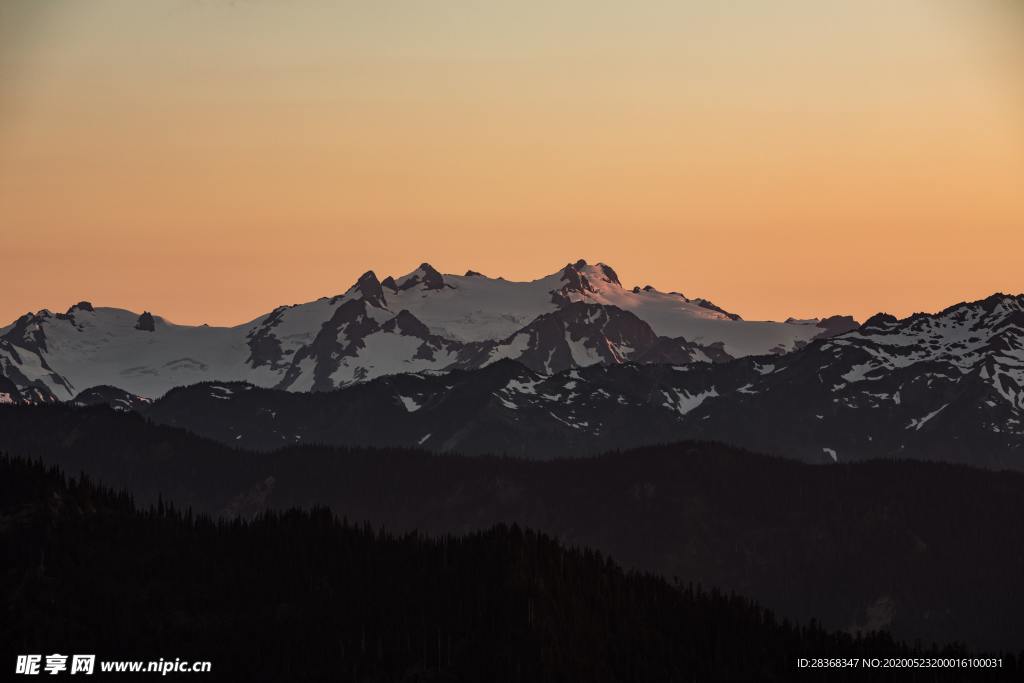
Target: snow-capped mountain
column 577, row 317
column 948, row 386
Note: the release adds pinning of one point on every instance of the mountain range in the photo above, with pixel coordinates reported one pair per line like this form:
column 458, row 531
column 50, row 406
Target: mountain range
column 656, row 416
column 422, row 321
column 568, row 365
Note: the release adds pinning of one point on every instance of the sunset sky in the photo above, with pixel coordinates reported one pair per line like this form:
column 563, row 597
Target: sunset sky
column 209, row 160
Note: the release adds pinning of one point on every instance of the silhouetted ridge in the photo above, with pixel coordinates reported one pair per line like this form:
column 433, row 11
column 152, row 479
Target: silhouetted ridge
column 926, row 550
column 300, row 595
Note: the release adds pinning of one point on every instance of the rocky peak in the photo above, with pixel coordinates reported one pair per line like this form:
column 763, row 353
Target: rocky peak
column 27, row 331
column 574, row 279
column 146, row 323
column 369, row 288
column 997, row 305
column 581, row 277
column 425, row 275
column 879, row 321
column 81, row 306
column 836, row 324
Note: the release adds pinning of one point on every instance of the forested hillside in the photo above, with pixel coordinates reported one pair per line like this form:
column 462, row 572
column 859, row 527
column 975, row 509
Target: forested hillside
column 925, row 550
column 303, row 596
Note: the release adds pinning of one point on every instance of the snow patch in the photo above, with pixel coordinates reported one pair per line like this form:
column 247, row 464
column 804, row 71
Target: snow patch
column 917, row 423
column 411, row 405
column 683, row 402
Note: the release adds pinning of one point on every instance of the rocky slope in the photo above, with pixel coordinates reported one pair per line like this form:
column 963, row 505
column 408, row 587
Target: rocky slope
column 936, row 387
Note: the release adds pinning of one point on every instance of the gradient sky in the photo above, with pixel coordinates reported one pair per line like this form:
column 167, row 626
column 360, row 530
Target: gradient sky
column 209, row 160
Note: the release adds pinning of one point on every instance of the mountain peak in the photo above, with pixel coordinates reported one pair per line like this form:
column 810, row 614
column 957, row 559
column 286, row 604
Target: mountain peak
column 838, row 324
column 879, row 321
column 369, row 288
column 425, row 275
column 1007, row 302
column 146, row 323
column 81, row 306
column 581, row 277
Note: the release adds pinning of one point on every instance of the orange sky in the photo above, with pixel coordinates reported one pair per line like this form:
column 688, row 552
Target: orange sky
column 208, row 160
